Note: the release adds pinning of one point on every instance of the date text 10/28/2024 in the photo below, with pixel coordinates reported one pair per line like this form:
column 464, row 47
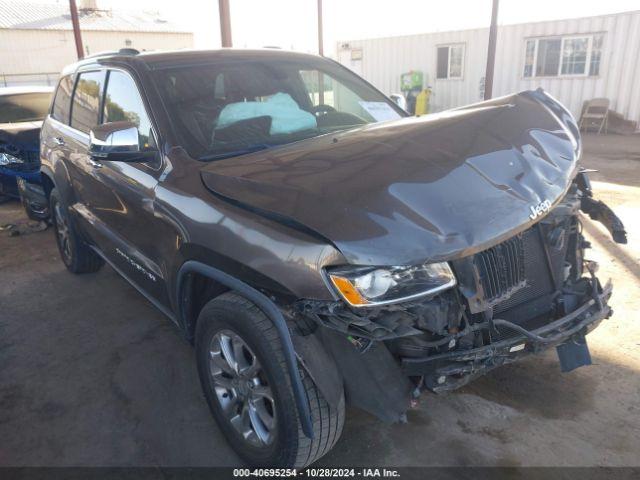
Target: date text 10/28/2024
column 317, row 472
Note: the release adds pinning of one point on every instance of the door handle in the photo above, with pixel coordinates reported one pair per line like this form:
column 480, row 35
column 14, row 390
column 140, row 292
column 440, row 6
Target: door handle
column 94, row 163
column 58, row 141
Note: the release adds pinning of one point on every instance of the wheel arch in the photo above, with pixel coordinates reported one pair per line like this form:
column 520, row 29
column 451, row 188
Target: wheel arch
column 47, row 184
column 192, row 288
column 58, row 178
column 225, row 282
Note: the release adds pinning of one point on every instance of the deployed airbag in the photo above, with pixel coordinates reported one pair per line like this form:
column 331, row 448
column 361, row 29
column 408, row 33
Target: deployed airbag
column 286, row 115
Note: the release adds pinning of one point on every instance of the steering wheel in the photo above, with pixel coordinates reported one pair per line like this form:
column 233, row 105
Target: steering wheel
column 322, row 109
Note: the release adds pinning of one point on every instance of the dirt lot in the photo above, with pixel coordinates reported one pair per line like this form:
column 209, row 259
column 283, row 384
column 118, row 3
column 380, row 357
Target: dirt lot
column 92, row 374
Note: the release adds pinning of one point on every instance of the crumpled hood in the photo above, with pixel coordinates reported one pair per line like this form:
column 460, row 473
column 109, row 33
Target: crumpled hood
column 417, row 189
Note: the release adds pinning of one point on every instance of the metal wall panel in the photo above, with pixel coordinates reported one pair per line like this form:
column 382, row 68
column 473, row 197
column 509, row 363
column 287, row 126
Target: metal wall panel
column 44, row 51
column 385, row 59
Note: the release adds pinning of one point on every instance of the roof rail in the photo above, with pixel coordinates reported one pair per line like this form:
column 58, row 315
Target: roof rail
column 101, row 54
column 128, row 51
column 122, row 51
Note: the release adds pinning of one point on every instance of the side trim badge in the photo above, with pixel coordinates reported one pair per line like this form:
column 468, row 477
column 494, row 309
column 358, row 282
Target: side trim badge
column 136, row 265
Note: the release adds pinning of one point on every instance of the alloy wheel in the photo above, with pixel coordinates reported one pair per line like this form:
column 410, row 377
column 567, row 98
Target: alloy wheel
column 241, row 387
column 62, row 232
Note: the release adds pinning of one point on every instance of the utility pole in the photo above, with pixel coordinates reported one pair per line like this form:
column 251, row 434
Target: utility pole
column 320, row 33
column 225, row 23
column 321, row 53
column 76, row 29
column 491, row 53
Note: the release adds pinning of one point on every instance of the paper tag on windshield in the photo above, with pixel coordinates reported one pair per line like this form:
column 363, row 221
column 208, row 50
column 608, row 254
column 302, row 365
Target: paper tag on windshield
column 380, row 111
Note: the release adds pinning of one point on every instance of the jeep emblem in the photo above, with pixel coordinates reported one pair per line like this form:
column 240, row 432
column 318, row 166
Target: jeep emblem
column 539, row 209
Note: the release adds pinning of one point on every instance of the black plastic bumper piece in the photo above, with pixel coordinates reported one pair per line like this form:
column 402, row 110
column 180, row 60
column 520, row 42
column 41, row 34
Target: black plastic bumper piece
column 599, row 211
column 454, row 369
column 573, row 354
column 34, row 199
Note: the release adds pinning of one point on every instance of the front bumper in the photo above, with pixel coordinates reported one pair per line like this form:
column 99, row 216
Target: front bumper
column 34, row 199
column 454, row 369
column 9, row 177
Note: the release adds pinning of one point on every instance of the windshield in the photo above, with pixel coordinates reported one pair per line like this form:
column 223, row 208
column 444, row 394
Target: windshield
column 234, row 107
column 24, row 107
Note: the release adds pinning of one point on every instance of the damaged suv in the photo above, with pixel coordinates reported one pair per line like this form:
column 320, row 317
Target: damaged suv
column 317, row 245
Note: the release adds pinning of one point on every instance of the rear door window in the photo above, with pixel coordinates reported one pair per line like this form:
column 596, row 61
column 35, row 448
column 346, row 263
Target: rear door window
column 85, row 109
column 62, row 103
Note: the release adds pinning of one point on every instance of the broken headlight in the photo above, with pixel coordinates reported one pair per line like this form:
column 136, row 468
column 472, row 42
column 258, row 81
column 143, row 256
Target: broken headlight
column 371, row 286
column 6, row 159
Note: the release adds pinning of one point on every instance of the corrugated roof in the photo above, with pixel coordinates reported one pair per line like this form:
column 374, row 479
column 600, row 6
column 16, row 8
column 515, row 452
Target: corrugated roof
column 42, row 16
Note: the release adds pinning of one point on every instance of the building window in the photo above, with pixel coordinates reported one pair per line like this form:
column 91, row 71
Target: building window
column 574, row 55
column 563, row 56
column 596, row 54
column 529, row 58
column 548, row 57
column 450, row 61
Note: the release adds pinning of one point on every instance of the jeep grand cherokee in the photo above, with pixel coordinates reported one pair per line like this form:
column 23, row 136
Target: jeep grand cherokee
column 317, row 245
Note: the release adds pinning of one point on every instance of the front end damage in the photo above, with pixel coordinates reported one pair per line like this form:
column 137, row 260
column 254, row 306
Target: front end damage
column 458, row 245
column 522, row 296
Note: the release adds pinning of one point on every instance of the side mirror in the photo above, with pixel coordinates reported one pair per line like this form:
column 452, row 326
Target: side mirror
column 119, row 142
column 399, row 100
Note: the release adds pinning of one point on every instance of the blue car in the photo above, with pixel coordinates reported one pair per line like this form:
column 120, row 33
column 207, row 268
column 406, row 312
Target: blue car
column 21, row 112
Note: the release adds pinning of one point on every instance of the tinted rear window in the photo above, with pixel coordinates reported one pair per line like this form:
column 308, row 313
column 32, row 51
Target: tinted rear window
column 24, row 107
column 86, row 101
column 62, row 103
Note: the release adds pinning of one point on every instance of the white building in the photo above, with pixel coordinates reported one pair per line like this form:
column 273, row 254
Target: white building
column 574, row 59
column 36, row 39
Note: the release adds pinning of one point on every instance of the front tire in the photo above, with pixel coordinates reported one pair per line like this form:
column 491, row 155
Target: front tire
column 247, row 386
column 75, row 254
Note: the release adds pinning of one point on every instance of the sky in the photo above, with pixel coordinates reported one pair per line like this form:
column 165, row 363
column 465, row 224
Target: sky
column 291, row 24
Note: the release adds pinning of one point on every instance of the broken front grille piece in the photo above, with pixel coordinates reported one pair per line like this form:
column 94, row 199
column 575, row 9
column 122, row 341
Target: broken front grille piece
column 501, row 268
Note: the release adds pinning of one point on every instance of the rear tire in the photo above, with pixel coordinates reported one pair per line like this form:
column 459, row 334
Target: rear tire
column 233, row 320
column 75, row 254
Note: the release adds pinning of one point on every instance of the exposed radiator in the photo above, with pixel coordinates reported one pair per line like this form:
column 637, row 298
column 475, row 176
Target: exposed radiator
column 515, row 276
column 502, row 268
